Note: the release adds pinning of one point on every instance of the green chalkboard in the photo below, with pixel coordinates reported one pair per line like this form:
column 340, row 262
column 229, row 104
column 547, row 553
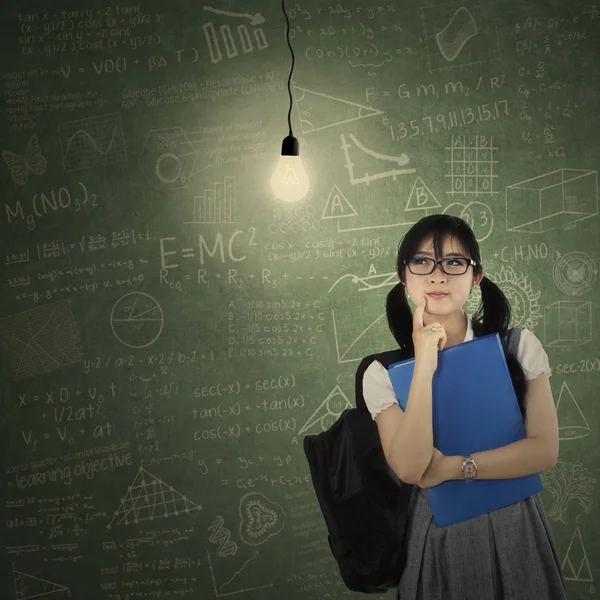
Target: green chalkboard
column 170, row 330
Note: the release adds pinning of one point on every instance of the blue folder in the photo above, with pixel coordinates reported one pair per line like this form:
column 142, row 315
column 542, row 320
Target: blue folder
column 474, row 409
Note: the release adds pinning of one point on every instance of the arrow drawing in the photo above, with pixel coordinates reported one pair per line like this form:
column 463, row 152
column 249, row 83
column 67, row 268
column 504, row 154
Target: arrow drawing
column 256, row 19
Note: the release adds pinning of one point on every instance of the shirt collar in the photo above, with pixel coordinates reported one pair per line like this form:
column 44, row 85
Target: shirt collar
column 469, row 334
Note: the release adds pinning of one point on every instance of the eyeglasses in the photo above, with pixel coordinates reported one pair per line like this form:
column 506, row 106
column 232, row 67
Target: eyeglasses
column 450, row 266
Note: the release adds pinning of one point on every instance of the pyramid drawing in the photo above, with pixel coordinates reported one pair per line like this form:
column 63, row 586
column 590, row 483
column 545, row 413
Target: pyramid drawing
column 337, row 205
column 147, row 498
column 421, row 197
column 327, row 412
column 317, row 111
column 27, row 586
column 576, row 566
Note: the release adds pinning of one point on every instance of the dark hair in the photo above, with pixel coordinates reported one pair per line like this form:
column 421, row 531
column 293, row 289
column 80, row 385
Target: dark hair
column 492, row 315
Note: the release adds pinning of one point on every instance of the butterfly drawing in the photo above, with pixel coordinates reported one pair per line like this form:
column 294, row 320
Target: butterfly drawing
column 20, row 166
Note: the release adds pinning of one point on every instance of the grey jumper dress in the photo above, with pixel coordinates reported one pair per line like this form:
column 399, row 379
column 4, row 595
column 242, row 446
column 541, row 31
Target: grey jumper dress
column 507, row 554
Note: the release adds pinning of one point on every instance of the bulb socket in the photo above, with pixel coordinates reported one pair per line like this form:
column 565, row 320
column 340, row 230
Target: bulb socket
column 290, row 146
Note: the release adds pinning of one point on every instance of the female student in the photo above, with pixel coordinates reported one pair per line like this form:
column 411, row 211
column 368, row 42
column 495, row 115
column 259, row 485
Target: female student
column 510, row 552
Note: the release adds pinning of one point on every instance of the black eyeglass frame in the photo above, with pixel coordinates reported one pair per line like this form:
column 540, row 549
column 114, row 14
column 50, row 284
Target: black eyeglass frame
column 441, row 263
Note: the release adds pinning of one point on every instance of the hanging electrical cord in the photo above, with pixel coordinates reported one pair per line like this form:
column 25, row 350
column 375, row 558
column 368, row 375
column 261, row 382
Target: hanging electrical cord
column 289, row 181
column 292, row 67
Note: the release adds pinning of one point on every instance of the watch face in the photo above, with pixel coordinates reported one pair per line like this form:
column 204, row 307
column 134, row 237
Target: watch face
column 469, row 469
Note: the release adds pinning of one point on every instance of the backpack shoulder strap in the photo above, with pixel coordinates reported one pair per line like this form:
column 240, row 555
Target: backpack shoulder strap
column 513, row 339
column 386, row 359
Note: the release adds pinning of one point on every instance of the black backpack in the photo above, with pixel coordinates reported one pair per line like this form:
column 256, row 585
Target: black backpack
column 364, row 503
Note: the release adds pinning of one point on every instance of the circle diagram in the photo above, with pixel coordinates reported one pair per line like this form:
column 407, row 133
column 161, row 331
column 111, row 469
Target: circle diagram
column 167, row 158
column 168, row 168
column 574, row 273
column 137, row 320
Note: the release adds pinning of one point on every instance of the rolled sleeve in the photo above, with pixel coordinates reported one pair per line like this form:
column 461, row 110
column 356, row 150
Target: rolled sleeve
column 378, row 391
column 532, row 356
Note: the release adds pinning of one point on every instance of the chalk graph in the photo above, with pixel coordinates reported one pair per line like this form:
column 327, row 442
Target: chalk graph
column 92, row 142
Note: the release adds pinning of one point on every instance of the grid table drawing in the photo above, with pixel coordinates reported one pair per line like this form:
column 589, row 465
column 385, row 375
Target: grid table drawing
column 471, row 163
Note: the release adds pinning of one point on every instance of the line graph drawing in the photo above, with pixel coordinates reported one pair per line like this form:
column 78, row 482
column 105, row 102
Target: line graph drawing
column 358, row 321
column 260, row 520
column 92, row 142
column 137, row 320
column 368, row 176
column 41, row 340
column 318, row 111
column 237, row 572
column 149, row 498
column 458, row 34
column 28, row 586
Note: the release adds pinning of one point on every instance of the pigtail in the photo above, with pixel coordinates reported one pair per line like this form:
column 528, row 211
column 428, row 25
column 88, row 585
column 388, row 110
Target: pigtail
column 494, row 315
column 399, row 318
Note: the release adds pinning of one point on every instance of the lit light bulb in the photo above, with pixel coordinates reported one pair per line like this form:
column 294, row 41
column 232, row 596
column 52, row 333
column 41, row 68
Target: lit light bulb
column 289, row 181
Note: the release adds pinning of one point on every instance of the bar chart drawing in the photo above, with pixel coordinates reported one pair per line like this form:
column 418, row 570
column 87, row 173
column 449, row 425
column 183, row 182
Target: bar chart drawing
column 217, row 204
column 247, row 40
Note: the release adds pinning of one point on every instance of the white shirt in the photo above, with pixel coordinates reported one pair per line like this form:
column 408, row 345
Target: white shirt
column 379, row 393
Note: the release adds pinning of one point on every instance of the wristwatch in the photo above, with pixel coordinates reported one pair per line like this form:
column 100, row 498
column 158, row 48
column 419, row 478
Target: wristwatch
column 469, row 467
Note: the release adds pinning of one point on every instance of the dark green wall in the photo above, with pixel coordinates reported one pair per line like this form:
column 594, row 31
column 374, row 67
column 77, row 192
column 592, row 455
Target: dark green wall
column 170, row 331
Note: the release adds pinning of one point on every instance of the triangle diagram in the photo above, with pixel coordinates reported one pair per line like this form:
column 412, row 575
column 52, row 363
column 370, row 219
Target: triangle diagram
column 147, row 498
column 317, row 111
column 578, row 426
column 147, row 310
column 337, row 205
column 28, row 586
column 421, row 197
column 576, row 566
column 327, row 412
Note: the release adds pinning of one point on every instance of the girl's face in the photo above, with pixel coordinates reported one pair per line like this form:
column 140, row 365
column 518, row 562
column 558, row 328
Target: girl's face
column 457, row 287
